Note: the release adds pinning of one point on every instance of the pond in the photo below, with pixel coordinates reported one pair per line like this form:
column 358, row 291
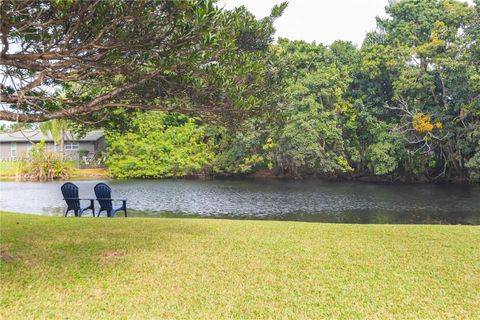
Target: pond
column 313, row 201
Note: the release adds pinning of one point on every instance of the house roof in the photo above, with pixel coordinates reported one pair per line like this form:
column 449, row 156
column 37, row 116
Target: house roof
column 37, row 136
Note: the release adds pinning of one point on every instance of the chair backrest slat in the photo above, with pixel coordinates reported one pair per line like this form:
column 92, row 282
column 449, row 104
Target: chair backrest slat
column 70, row 194
column 103, row 191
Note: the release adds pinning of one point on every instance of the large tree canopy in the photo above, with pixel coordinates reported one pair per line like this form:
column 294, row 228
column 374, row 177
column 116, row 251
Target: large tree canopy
column 405, row 105
column 80, row 59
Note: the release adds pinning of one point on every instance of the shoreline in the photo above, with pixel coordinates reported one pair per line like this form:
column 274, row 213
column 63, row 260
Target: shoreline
column 77, row 174
column 101, row 174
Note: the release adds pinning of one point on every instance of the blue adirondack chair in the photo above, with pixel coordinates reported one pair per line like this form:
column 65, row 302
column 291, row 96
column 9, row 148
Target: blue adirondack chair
column 70, row 195
column 104, row 197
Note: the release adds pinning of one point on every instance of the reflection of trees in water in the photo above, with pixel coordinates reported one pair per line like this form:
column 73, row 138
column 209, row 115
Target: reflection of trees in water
column 419, row 217
column 383, row 217
column 351, row 216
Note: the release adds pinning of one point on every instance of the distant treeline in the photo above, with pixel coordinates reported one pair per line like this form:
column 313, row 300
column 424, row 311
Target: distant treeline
column 404, row 106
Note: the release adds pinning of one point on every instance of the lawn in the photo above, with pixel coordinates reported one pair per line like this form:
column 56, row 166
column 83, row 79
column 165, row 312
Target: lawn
column 54, row 267
column 8, row 169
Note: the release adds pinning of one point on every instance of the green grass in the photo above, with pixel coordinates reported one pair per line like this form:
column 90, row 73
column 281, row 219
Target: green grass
column 8, row 169
column 144, row 268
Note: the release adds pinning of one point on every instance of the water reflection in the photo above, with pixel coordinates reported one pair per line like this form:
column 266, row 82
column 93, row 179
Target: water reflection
column 315, row 201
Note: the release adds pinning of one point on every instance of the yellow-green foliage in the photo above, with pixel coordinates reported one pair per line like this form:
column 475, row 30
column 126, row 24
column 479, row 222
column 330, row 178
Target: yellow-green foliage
column 154, row 148
column 154, row 268
column 422, row 123
column 41, row 164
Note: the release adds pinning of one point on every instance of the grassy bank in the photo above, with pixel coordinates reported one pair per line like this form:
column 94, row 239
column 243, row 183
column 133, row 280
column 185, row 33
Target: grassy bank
column 8, row 171
column 190, row 268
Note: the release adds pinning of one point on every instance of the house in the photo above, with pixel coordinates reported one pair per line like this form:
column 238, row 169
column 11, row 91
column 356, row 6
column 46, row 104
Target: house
column 15, row 144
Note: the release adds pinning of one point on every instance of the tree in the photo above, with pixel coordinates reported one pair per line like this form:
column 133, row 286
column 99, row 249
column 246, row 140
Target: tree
column 12, row 127
column 159, row 144
column 187, row 56
column 56, row 129
column 435, row 94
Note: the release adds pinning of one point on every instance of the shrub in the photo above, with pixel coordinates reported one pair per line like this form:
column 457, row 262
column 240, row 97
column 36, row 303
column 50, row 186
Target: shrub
column 40, row 164
column 156, row 148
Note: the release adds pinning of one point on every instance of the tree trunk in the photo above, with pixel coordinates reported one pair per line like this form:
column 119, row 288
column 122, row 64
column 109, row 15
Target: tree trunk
column 62, row 142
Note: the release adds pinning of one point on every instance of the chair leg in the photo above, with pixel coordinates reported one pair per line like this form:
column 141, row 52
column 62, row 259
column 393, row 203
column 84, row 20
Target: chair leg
column 125, row 212
column 92, row 206
column 66, row 212
column 91, row 209
column 76, row 213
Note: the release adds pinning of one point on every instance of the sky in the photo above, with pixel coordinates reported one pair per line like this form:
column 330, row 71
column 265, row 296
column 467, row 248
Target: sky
column 322, row 21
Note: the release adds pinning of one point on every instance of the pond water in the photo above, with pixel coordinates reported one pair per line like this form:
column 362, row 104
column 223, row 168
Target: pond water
column 313, row 201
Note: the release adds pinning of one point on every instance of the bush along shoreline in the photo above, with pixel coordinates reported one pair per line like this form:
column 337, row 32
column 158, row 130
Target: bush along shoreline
column 41, row 164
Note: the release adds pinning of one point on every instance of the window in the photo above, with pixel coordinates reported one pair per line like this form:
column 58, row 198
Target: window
column 71, row 145
column 13, row 150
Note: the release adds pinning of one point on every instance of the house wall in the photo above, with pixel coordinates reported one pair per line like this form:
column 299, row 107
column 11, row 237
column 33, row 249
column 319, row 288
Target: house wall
column 22, row 148
column 82, row 146
column 5, row 152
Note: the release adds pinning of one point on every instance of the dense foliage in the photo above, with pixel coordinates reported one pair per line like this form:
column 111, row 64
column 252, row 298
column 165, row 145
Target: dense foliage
column 158, row 145
column 405, row 105
column 80, row 60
